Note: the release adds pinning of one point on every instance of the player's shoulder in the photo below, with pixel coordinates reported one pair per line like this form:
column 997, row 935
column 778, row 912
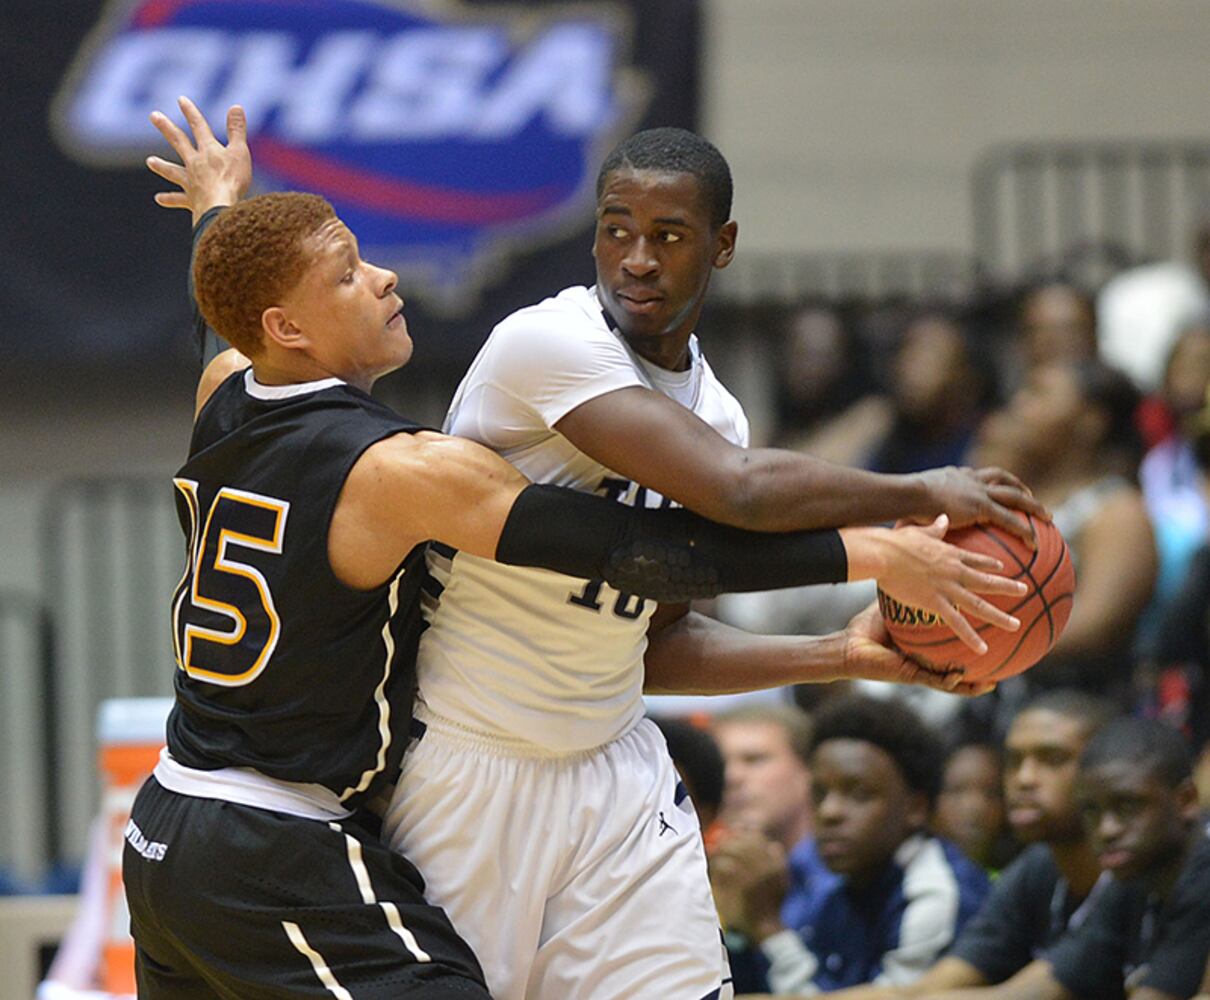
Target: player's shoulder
column 218, row 371
column 573, row 310
column 428, row 456
column 402, row 452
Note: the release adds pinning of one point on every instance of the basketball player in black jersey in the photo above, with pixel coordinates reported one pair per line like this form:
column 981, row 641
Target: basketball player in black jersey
column 251, row 866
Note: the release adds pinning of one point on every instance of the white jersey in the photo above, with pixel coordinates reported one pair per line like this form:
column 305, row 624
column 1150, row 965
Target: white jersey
column 529, row 655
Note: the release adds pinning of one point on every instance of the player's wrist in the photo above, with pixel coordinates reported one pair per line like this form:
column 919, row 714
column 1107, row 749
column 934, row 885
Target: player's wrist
column 869, row 551
column 221, row 196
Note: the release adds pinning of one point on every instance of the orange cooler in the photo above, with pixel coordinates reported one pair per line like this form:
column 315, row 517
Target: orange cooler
column 130, row 733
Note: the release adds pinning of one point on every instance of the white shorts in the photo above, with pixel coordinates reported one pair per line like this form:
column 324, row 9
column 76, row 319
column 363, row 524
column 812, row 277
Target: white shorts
column 573, row 877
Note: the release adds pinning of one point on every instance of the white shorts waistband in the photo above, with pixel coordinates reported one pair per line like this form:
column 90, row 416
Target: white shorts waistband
column 502, row 746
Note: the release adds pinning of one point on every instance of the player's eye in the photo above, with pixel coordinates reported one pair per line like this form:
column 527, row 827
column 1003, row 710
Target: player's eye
column 617, row 232
column 667, row 237
column 347, row 278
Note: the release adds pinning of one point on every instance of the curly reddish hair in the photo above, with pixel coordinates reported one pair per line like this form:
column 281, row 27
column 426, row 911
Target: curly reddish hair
column 250, row 258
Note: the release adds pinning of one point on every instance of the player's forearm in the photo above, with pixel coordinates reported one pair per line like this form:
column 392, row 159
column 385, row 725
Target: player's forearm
column 785, row 491
column 210, row 343
column 667, row 555
column 698, row 655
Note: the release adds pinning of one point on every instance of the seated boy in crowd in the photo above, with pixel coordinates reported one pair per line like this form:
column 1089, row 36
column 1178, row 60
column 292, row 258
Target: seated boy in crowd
column 902, row 895
column 1050, row 888
column 1153, row 933
column 970, row 808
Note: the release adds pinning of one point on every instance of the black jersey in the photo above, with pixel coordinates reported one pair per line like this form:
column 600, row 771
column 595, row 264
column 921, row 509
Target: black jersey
column 281, row 667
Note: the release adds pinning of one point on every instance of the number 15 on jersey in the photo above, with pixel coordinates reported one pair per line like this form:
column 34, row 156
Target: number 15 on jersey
column 225, row 624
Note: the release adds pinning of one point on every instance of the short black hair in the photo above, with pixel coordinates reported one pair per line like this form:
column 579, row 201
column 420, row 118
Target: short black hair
column 698, row 757
column 892, row 727
column 1093, row 710
column 676, row 151
column 1148, row 742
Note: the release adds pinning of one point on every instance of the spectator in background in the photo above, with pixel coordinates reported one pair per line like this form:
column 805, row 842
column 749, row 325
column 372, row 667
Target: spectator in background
column 937, row 391
column 1069, row 433
column 1142, row 311
column 970, row 805
column 699, row 763
column 767, row 790
column 902, row 894
column 1057, row 323
column 766, row 836
column 1183, row 385
column 1170, row 477
column 1177, row 657
column 1047, row 891
column 823, row 406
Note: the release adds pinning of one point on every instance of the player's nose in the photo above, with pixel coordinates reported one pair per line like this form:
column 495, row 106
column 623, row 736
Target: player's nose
column 385, row 280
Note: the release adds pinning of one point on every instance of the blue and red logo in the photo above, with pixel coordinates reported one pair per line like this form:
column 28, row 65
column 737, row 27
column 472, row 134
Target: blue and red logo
column 443, row 136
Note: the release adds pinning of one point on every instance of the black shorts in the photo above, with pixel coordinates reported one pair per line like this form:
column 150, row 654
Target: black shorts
column 242, row 903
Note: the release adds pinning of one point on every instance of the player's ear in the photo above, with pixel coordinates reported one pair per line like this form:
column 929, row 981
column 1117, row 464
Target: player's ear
column 725, row 248
column 279, row 329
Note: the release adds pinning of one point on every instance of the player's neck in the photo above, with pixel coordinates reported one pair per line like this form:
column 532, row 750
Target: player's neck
column 297, row 369
column 1077, row 864
column 669, row 351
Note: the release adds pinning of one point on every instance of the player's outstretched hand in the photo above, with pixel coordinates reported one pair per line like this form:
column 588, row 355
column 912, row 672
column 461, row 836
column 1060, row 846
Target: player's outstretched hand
column 983, row 496
column 868, row 655
column 209, row 174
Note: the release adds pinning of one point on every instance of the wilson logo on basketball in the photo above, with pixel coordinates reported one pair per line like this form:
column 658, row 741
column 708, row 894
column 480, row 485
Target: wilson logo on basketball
column 901, row 614
column 441, row 138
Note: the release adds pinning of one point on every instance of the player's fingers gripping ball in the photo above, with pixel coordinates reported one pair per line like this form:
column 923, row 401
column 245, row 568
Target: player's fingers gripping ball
column 1043, row 610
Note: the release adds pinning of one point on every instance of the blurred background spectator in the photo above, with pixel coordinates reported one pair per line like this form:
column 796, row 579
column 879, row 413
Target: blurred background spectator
column 970, row 806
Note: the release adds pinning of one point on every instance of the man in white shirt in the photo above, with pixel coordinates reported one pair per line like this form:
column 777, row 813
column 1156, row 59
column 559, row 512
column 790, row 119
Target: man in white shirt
column 540, row 805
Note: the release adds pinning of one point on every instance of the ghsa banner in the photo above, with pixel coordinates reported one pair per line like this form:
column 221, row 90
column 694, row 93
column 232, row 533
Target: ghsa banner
column 447, row 135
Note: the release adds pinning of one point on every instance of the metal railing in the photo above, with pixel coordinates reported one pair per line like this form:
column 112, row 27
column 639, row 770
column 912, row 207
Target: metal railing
column 785, row 279
column 26, row 660
column 112, row 553
column 1037, row 205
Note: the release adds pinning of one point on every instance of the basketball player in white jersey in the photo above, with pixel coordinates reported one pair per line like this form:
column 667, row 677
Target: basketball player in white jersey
column 540, row 805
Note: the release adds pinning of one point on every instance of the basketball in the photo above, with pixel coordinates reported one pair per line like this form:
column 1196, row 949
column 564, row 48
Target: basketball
column 1043, row 611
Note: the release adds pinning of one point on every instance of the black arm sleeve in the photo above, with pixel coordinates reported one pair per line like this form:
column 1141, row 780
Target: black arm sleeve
column 666, row 555
column 209, row 343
